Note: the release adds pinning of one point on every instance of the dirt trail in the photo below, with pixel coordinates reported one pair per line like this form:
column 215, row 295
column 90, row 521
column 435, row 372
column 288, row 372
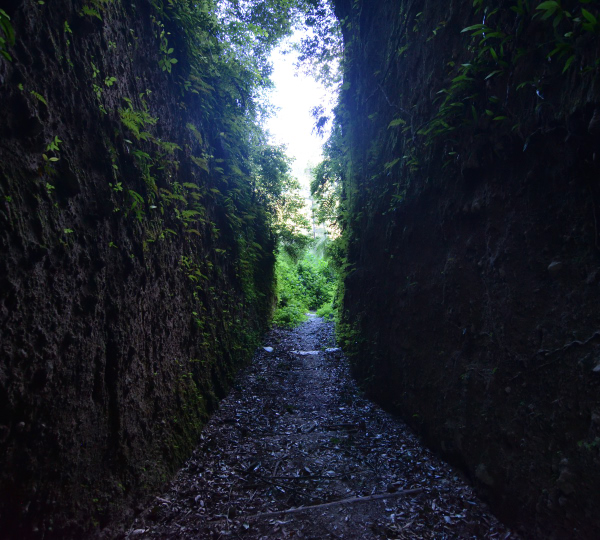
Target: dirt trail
column 295, row 431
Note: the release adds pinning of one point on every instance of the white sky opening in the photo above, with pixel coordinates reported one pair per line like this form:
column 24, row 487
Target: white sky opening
column 294, row 95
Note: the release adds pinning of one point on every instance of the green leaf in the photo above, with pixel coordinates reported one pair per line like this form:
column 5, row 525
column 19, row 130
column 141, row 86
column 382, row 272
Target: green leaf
column 189, row 185
column 7, row 28
column 563, row 48
column 396, row 122
column 549, row 13
column 136, row 196
column 557, row 20
column 461, row 78
column 86, row 10
column 390, row 164
column 589, row 16
column 490, row 75
column 39, row 97
column 568, row 62
column 202, row 163
column 474, row 27
column 548, row 5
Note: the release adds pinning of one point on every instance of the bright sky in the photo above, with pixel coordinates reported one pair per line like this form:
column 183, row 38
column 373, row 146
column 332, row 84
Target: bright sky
column 295, row 94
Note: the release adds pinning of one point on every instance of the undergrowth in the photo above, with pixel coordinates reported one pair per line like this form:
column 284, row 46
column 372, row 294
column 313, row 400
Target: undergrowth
column 303, row 285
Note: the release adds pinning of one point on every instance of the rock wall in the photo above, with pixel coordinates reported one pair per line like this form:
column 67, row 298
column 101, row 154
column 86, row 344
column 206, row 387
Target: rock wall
column 471, row 171
column 135, row 259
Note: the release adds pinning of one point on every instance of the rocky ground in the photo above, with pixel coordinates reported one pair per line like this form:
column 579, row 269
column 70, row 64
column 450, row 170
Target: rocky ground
column 296, row 451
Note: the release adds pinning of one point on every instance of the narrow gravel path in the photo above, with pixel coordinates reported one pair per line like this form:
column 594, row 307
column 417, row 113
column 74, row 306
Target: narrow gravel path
column 295, row 434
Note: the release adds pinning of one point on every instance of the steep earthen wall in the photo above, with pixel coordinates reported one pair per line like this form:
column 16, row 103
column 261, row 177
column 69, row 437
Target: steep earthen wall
column 131, row 287
column 471, row 306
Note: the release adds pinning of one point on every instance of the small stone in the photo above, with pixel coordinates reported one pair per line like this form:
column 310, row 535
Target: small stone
column 268, row 349
column 555, row 268
column 596, row 369
column 508, row 389
column 137, row 532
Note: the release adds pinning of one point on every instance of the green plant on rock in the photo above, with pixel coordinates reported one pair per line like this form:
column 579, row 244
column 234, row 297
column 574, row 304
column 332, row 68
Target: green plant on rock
column 137, row 121
column 166, row 61
column 137, row 204
column 94, row 8
column 39, row 97
column 67, row 30
column 145, row 163
column 7, row 35
column 52, row 146
column 496, row 49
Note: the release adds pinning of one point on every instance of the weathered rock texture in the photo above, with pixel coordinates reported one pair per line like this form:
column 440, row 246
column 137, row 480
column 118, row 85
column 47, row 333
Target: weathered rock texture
column 472, row 306
column 127, row 298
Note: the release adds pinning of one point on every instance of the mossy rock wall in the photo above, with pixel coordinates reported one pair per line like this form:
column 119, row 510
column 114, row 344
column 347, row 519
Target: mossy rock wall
column 135, row 262
column 471, row 302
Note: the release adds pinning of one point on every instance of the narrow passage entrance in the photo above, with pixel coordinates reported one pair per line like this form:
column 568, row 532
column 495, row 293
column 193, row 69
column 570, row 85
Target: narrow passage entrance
column 293, row 448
